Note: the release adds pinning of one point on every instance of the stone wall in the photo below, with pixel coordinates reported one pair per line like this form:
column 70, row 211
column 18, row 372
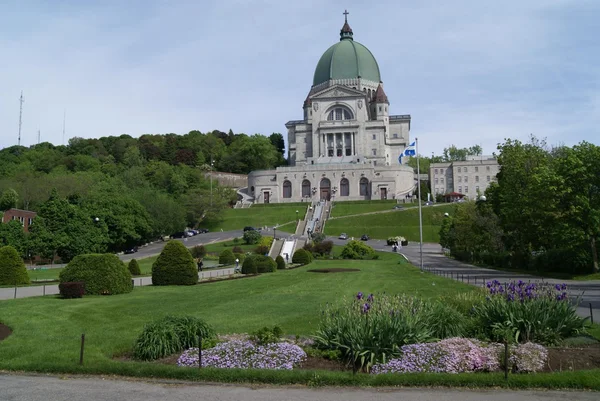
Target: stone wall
column 229, row 179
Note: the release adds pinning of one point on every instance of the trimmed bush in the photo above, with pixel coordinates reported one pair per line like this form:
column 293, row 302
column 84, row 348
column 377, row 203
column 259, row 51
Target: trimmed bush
column 252, row 237
column 323, row 248
column 266, row 241
column 302, row 256
column 237, row 249
column 226, row 257
column 261, row 250
column 170, row 335
column 12, row 268
column 357, row 250
column 249, row 265
column 134, row 267
column 103, row 274
column 198, row 252
column 174, row 266
column 280, row 262
column 72, row 290
column 264, row 264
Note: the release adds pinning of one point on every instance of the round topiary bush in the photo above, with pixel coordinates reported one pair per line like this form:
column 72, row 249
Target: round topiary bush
column 134, row 267
column 264, row 264
column 199, row 251
column 301, row 256
column 103, row 274
column 249, row 265
column 280, row 262
column 226, row 257
column 237, row 249
column 174, row 266
column 357, row 250
column 12, row 268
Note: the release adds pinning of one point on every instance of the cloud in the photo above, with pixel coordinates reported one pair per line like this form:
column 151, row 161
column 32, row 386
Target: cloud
column 468, row 72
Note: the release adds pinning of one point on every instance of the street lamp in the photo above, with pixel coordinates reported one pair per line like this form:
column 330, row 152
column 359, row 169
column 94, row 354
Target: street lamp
column 297, row 215
column 212, row 163
column 274, row 233
column 96, row 219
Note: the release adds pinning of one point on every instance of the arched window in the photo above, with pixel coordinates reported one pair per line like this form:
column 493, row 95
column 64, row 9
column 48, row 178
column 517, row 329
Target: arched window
column 287, row 189
column 364, row 187
column 339, row 113
column 305, row 188
column 344, row 187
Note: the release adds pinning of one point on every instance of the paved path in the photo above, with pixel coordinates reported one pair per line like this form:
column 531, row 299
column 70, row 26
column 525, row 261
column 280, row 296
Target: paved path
column 52, row 289
column 49, row 388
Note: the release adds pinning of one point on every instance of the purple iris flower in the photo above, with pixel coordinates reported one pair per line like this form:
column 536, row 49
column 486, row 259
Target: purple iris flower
column 359, row 296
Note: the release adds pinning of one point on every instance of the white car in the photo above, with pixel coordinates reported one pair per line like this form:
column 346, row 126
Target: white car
column 343, row 236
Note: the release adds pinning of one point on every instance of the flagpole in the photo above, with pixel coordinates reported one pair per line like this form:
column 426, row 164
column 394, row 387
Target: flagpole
column 420, row 208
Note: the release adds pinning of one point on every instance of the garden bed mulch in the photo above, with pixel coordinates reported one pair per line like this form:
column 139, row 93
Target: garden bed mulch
column 5, row 331
column 334, row 270
column 570, row 359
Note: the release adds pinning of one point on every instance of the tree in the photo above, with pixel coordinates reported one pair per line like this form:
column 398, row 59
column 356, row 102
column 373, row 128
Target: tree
column 9, row 199
column 12, row 234
column 277, row 141
column 12, row 268
column 174, row 266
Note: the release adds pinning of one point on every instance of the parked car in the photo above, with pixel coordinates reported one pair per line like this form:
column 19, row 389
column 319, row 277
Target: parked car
column 131, row 250
column 180, row 234
column 364, row 237
column 249, row 228
column 202, row 230
column 343, row 236
column 398, row 207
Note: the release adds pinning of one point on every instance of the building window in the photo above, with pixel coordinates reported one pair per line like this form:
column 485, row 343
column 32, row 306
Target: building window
column 476, row 169
column 466, row 178
column 30, row 221
column 476, row 178
column 380, row 109
column 339, row 113
column 436, row 171
column 330, row 152
column 488, row 178
column 374, row 152
column 395, row 136
column 436, row 180
column 374, row 136
column 459, row 178
column 344, row 187
column 459, row 169
column 487, row 168
column 364, row 187
column 465, row 169
column 441, row 180
column 459, row 190
column 287, row 189
column 305, row 188
column 386, row 109
column 441, row 171
column 339, row 152
column 466, row 189
column 477, row 188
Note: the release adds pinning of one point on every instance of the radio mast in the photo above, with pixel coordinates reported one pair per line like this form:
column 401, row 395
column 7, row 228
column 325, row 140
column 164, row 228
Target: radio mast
column 21, row 100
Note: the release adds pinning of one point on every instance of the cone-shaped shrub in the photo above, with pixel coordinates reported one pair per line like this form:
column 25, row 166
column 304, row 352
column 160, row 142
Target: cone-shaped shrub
column 174, row 266
column 265, row 264
column 249, row 266
column 302, row 256
column 12, row 268
column 226, row 257
column 103, row 274
column 134, row 267
column 280, row 262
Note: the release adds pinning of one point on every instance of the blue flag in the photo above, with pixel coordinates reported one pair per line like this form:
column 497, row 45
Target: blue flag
column 409, row 151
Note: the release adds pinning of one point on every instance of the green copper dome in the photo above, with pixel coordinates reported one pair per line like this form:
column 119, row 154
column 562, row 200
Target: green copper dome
column 346, row 59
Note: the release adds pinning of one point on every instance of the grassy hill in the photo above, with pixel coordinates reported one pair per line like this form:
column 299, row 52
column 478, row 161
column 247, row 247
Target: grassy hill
column 341, row 209
column 392, row 223
column 261, row 215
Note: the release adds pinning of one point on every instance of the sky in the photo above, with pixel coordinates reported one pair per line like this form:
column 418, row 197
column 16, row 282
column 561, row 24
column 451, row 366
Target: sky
column 468, row 72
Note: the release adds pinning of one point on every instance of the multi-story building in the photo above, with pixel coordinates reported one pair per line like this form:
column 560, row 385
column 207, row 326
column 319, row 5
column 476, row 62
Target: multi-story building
column 25, row 217
column 469, row 177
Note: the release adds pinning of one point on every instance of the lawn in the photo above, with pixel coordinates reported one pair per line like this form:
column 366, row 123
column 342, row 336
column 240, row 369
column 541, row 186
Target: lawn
column 384, row 225
column 283, row 215
column 341, row 209
column 47, row 331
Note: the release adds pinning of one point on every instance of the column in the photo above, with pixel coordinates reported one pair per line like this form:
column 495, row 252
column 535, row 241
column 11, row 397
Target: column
column 343, row 144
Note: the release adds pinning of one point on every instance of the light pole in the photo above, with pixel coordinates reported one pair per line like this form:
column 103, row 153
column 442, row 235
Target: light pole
column 274, row 233
column 297, row 215
column 211, row 178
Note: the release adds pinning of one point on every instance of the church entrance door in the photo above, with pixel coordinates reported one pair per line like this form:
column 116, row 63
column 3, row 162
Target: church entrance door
column 325, row 187
column 383, row 192
column 266, row 195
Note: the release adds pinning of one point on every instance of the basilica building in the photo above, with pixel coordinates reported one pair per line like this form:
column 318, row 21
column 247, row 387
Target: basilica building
column 347, row 146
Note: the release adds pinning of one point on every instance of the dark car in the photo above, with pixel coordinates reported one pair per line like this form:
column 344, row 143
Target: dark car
column 129, row 251
column 364, row 237
column 180, row 234
column 203, row 230
column 249, row 228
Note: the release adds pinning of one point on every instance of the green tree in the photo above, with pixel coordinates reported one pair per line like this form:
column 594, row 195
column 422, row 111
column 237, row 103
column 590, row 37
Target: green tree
column 12, row 234
column 9, row 199
column 174, row 266
column 12, row 268
column 277, row 141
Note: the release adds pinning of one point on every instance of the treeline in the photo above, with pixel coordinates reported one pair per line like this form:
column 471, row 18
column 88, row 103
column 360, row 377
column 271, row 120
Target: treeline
column 543, row 214
column 112, row 193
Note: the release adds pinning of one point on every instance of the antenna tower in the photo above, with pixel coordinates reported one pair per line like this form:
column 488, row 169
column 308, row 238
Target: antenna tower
column 39, row 134
column 64, row 123
column 21, row 100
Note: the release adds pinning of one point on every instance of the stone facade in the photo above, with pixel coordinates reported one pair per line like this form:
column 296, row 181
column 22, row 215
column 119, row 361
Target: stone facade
column 346, row 147
column 468, row 177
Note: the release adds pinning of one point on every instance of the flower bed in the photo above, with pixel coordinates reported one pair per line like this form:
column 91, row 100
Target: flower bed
column 462, row 355
column 244, row 354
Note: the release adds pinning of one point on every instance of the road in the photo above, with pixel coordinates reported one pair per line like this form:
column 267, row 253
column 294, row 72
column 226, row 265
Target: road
column 50, row 388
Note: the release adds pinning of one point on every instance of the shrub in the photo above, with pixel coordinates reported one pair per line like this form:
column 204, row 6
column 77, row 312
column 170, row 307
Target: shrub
column 261, row 250
column 528, row 357
column 240, row 256
column 134, row 267
column 318, row 237
column 198, row 252
column 174, row 266
column 246, row 355
column 400, row 240
column 280, row 262
column 103, row 274
column 249, row 265
column 264, row 264
column 301, row 256
column 323, row 248
column 237, row 249
column 535, row 312
column 252, row 237
column 170, row 335
column 266, row 241
column 357, row 250
column 72, row 289
column 267, row 335
column 226, row 257
column 12, row 268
